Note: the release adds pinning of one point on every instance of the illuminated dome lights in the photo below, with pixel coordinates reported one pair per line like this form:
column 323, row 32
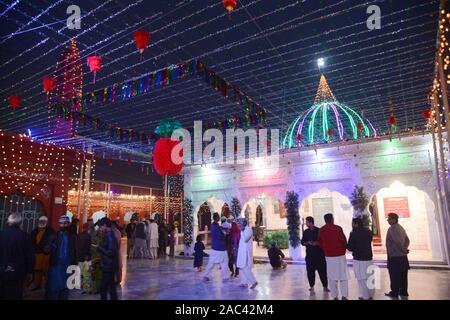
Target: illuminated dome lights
column 326, row 121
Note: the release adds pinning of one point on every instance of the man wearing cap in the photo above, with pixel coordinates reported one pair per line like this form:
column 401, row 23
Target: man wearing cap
column 276, row 256
column 245, row 255
column 218, row 253
column 16, row 259
column 40, row 238
column 397, row 243
column 63, row 254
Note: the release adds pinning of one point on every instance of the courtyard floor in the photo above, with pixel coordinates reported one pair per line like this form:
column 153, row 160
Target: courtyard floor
column 175, row 279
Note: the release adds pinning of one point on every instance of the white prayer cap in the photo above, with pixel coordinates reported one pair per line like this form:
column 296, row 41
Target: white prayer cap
column 14, row 219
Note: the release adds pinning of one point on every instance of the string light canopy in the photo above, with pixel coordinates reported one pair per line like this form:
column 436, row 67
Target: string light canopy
column 269, row 49
column 327, row 120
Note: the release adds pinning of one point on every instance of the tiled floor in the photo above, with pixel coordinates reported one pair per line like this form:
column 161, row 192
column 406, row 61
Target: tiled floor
column 174, row 278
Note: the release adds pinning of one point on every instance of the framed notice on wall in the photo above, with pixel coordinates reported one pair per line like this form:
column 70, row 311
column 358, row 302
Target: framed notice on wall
column 280, row 209
column 398, row 205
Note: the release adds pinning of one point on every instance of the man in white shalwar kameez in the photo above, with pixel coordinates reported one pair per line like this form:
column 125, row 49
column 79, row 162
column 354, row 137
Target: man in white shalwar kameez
column 218, row 253
column 154, row 239
column 245, row 255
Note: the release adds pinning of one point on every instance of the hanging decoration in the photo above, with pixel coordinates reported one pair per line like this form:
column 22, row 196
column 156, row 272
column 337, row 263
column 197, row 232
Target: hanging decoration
column 162, row 155
column 49, row 84
column 129, row 161
column 330, row 133
column 229, row 4
column 14, row 102
column 427, row 114
column 315, row 125
column 95, row 64
column 110, row 162
column 253, row 113
column 141, row 38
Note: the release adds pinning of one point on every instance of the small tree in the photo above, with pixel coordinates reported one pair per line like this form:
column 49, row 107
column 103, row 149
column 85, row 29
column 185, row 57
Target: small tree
column 360, row 201
column 293, row 218
column 188, row 222
column 235, row 207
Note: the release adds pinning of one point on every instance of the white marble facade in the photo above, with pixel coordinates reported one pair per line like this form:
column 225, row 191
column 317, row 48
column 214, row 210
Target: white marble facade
column 324, row 179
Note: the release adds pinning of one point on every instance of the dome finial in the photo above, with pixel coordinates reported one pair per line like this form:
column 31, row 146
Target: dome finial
column 323, row 91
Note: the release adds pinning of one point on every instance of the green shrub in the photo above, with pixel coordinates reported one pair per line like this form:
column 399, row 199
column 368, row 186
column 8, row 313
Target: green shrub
column 280, row 236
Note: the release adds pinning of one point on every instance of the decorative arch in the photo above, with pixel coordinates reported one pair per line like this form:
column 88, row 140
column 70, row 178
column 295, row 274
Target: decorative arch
column 266, row 211
column 419, row 219
column 324, row 200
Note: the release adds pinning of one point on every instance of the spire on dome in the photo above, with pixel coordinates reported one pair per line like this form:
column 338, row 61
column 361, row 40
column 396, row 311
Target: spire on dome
column 324, row 92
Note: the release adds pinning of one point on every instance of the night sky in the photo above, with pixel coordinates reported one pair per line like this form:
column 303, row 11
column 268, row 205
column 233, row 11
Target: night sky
column 267, row 48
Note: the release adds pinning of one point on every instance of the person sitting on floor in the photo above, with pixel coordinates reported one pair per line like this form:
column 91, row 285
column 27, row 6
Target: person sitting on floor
column 276, row 256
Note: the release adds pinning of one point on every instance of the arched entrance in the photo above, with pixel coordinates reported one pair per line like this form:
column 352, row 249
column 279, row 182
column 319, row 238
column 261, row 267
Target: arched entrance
column 259, row 217
column 204, row 217
column 31, row 209
column 324, row 201
column 418, row 217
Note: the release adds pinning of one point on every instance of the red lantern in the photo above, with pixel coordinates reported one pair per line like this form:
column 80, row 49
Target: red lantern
column 229, row 4
column 427, row 114
column 14, row 102
column 162, row 157
column 109, row 162
column 94, row 64
column 359, row 126
column 49, row 84
column 392, row 120
column 142, row 39
column 330, row 132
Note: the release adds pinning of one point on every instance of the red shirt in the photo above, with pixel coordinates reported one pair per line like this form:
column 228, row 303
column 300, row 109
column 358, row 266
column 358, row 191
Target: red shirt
column 332, row 240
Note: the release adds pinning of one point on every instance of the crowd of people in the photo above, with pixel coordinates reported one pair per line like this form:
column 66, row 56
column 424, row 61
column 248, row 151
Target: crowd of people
column 41, row 260
column 149, row 240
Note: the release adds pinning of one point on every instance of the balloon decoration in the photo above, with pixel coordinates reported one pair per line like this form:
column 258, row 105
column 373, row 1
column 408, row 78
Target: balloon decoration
column 427, row 114
column 49, row 84
column 142, row 39
column 162, row 155
column 14, row 102
column 359, row 126
column 229, row 4
column 162, row 158
column 94, row 64
column 392, row 120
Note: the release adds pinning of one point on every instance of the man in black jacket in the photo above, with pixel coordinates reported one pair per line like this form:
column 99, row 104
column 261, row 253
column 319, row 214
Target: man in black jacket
column 108, row 251
column 315, row 258
column 16, row 259
column 40, row 238
column 360, row 244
